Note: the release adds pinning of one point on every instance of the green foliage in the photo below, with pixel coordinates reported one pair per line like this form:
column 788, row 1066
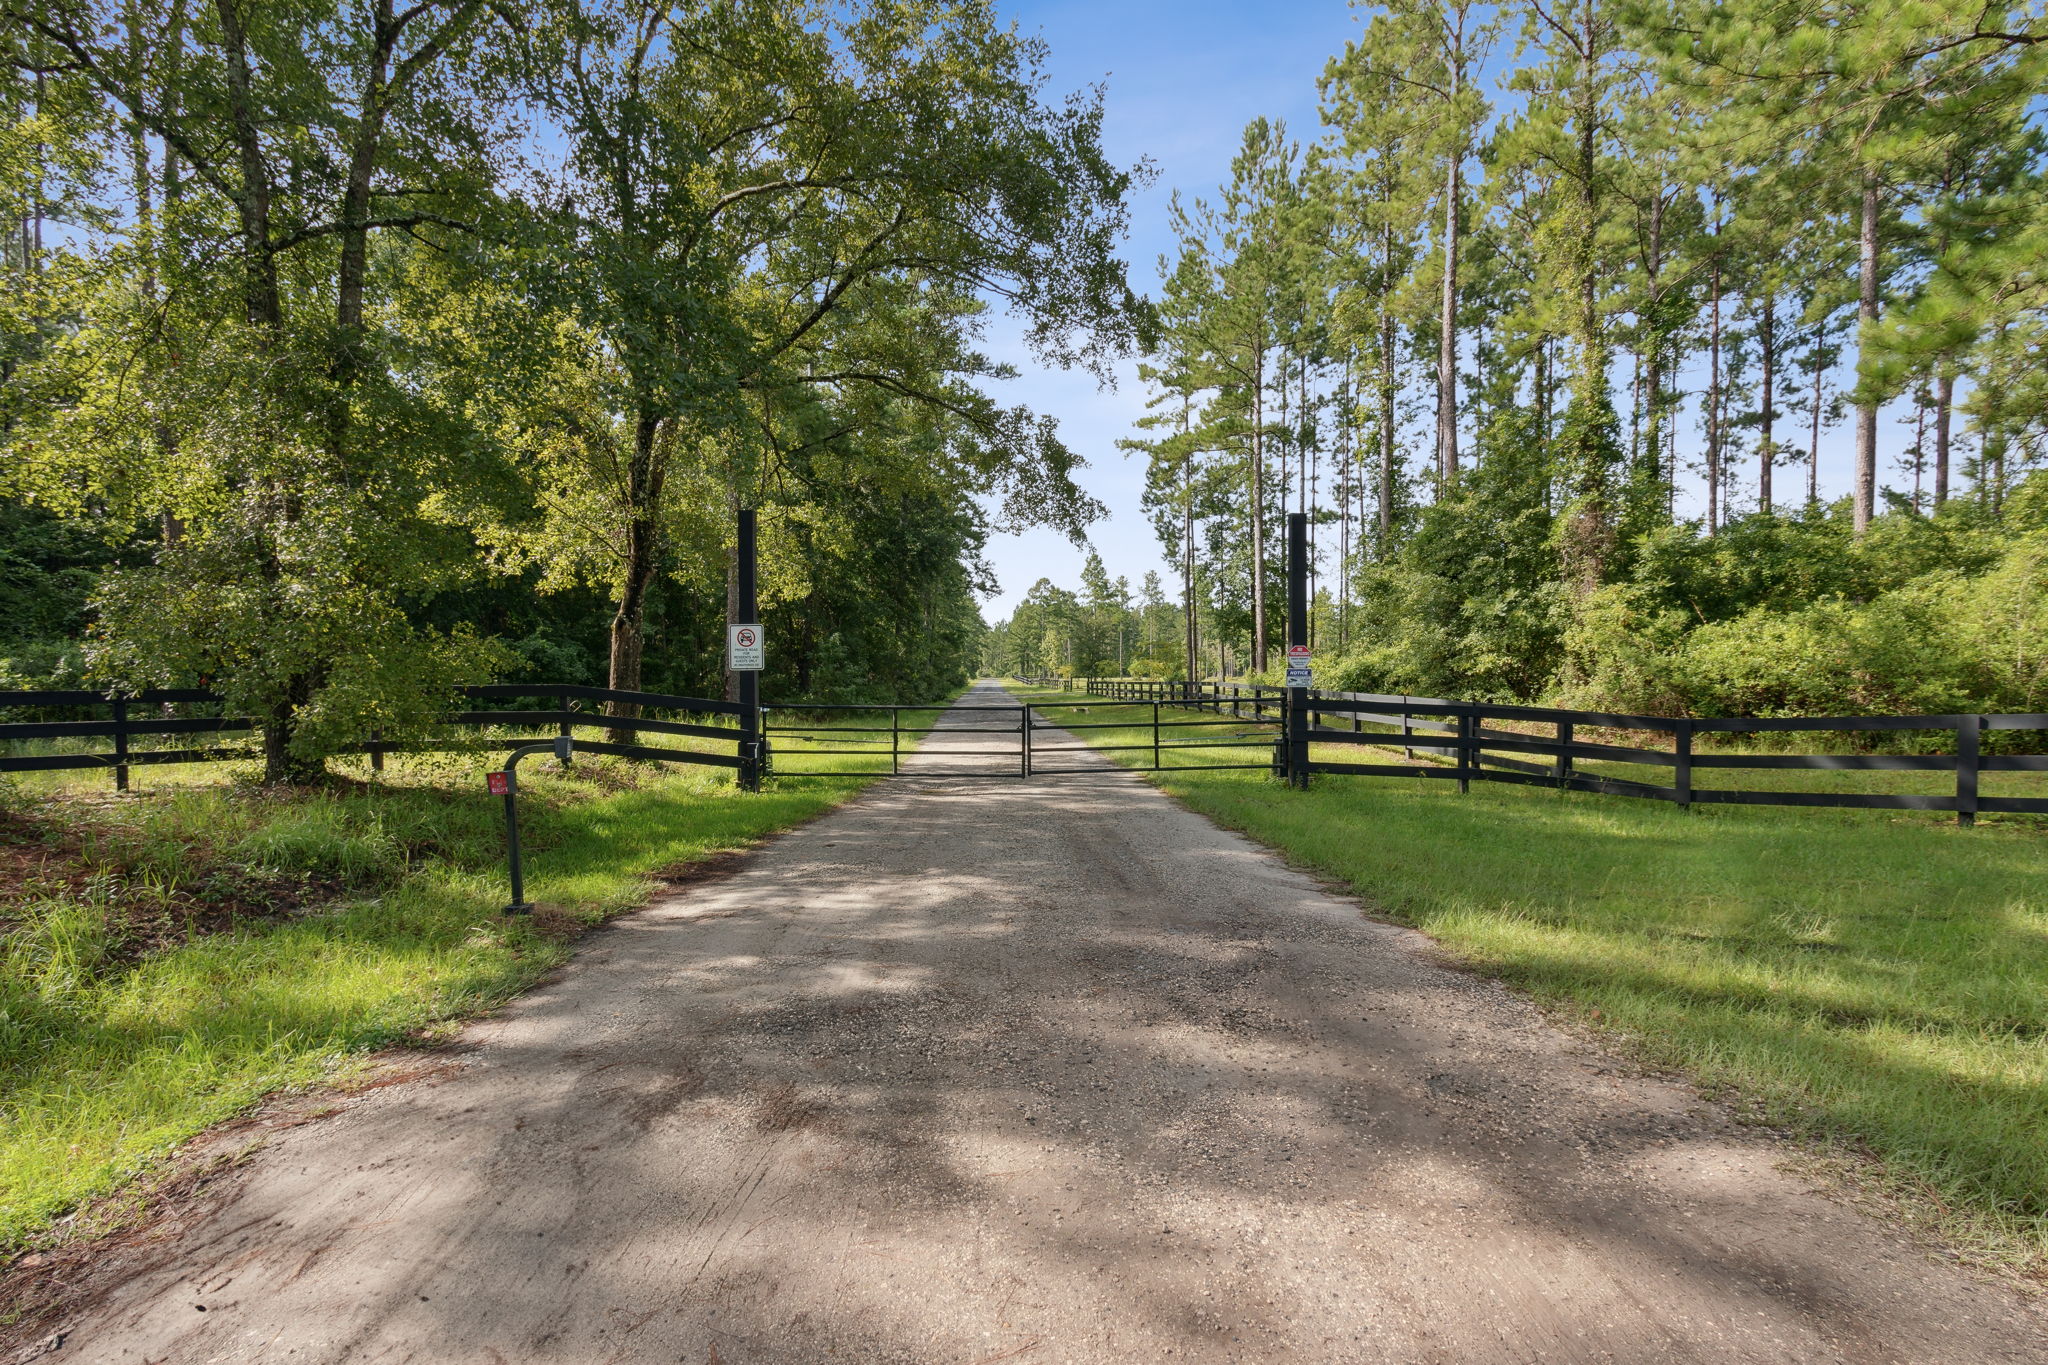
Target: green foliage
column 1692, row 236
column 1472, row 605
column 48, row 566
column 1801, row 624
column 326, row 366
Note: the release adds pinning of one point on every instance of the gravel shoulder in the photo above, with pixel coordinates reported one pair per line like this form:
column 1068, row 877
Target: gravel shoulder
column 1050, row 1071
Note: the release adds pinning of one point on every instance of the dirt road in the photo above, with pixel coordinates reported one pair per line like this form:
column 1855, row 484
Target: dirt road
column 1041, row 1072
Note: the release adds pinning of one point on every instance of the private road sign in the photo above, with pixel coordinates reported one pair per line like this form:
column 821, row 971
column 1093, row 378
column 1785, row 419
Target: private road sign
column 744, row 646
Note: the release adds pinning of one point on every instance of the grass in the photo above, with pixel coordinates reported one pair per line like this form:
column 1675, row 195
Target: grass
column 171, row 957
column 849, row 742
column 1875, row 980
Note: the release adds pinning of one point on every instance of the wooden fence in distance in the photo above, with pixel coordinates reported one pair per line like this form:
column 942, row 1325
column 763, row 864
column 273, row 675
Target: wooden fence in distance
column 152, row 715
column 1474, row 750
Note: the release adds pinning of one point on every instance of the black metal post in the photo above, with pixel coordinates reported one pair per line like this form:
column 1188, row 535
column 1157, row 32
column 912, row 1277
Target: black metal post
column 1681, row 762
column 565, row 732
column 1564, row 758
column 895, row 741
column 519, row 905
column 1969, row 745
column 562, row 748
column 749, row 681
column 1155, row 734
column 1297, row 634
column 120, row 745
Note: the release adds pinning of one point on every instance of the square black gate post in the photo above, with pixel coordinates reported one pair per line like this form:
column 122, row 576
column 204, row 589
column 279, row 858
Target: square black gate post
column 748, row 613
column 120, row 744
column 1969, row 758
column 1296, row 711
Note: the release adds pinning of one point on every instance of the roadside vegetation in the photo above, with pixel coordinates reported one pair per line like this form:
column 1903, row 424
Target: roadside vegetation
column 171, row 957
column 1876, row 982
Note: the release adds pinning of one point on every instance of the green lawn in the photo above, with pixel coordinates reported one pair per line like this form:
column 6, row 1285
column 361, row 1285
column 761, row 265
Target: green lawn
column 1876, row 979
column 200, row 944
column 848, row 742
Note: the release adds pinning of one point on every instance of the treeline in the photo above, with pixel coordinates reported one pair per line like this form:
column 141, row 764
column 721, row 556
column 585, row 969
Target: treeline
column 1548, row 331
column 357, row 350
column 1103, row 631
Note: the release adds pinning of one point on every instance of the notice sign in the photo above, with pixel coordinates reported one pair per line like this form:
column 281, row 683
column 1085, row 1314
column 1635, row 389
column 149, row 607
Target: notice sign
column 1298, row 658
column 498, row 783
column 744, row 648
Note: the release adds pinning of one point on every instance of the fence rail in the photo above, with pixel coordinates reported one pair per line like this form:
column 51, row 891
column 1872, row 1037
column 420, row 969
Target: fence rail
column 1470, row 750
column 149, row 714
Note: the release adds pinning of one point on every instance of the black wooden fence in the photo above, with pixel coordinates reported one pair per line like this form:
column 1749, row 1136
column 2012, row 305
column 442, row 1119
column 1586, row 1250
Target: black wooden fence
column 1472, row 749
column 187, row 712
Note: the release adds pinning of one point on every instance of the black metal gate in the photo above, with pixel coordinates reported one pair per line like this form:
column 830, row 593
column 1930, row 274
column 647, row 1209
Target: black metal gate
column 1009, row 740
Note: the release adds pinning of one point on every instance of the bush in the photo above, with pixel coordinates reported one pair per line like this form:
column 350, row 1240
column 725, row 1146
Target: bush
column 1941, row 643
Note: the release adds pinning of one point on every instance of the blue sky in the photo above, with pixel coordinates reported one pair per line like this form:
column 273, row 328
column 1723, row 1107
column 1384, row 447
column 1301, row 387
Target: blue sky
column 1183, row 79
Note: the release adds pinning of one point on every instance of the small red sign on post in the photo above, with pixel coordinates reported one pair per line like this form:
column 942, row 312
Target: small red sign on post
column 499, row 783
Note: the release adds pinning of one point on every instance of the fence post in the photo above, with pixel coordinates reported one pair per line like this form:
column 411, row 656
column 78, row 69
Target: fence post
column 1296, row 709
column 1468, row 729
column 1564, row 758
column 749, row 681
column 1969, row 742
column 564, row 731
column 1155, row 734
column 1681, row 762
column 120, row 744
column 895, row 741
column 376, row 751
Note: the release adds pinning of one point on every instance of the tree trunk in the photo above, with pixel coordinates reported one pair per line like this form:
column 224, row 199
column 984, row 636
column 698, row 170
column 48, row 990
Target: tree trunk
column 1447, row 324
column 1765, row 449
column 1259, row 507
column 1919, row 447
column 1813, row 445
column 1312, row 476
column 1944, row 401
column 1714, row 398
column 1386, row 432
column 1866, row 408
column 1635, row 404
column 1190, row 627
column 641, row 555
column 263, row 310
column 1346, row 489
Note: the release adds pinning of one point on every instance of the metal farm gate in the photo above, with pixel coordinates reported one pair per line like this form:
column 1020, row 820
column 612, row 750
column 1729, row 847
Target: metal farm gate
column 975, row 737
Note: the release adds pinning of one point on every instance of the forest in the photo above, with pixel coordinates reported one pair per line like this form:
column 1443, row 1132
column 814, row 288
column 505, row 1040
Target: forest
column 1553, row 328
column 353, row 352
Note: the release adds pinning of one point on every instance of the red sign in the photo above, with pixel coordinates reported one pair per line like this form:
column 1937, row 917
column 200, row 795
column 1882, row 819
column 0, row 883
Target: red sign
column 1297, row 652
column 499, row 783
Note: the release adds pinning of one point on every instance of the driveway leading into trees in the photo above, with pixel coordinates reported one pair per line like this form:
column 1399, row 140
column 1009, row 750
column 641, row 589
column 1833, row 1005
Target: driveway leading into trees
column 1040, row 1072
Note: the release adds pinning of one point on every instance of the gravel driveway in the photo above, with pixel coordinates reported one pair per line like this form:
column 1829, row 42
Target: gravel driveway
column 986, row 1070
